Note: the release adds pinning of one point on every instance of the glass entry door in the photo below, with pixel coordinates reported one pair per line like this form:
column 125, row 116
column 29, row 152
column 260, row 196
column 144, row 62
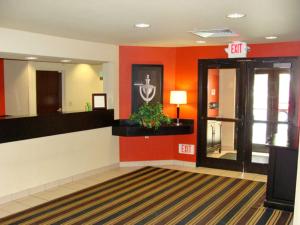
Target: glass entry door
column 222, row 119
column 243, row 105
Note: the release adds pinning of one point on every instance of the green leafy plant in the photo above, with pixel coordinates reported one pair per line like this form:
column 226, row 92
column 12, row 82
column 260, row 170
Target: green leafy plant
column 150, row 116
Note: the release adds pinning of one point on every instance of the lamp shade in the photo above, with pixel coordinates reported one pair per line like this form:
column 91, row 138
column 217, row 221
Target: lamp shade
column 178, row 97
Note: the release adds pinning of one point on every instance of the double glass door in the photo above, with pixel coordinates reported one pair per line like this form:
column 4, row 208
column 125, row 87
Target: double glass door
column 242, row 107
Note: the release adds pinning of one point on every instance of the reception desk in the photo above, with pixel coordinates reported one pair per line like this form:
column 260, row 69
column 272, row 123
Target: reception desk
column 27, row 127
column 39, row 152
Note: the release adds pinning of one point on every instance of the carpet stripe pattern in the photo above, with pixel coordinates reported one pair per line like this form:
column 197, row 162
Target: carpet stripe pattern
column 159, row 196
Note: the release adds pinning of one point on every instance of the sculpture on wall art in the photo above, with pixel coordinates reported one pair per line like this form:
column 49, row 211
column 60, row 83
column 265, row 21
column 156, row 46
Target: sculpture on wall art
column 147, row 85
column 147, row 90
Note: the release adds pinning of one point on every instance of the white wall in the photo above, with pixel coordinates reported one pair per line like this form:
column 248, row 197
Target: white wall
column 30, row 163
column 28, row 43
column 34, row 162
column 227, row 86
column 16, row 87
column 79, row 81
column 111, row 84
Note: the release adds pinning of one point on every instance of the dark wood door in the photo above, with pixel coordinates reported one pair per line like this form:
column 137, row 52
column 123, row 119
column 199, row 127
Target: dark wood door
column 48, row 92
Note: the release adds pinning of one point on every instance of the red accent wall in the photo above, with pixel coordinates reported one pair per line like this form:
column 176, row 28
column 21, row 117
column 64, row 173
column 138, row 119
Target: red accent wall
column 181, row 72
column 2, row 98
column 140, row 148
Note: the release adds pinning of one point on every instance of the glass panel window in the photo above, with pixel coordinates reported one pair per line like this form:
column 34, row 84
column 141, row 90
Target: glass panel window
column 221, row 140
column 259, row 131
column 283, row 98
column 260, row 152
column 260, row 97
column 221, row 93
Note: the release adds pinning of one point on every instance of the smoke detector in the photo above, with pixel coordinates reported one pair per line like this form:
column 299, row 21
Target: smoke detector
column 215, row 33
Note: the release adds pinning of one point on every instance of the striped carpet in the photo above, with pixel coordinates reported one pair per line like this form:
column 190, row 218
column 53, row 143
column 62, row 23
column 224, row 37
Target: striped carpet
column 159, row 196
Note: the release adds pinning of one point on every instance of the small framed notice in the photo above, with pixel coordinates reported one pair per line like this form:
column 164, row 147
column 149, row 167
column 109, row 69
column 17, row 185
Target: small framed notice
column 99, row 101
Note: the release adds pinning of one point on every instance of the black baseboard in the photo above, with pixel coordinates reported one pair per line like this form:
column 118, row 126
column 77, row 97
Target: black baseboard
column 278, row 205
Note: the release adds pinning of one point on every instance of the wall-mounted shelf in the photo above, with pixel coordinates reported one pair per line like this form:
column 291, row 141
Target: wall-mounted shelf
column 127, row 128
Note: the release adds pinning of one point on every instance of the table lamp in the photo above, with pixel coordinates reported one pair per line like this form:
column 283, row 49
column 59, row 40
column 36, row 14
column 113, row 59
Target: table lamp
column 178, row 98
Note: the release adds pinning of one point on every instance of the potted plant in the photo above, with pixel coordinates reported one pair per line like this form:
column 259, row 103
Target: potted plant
column 150, row 116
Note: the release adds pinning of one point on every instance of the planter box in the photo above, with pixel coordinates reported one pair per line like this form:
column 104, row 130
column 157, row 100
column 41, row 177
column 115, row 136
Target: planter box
column 128, row 128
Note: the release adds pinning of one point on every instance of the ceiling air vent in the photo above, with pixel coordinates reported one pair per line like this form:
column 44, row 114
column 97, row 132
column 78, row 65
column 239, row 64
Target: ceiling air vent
column 214, row 33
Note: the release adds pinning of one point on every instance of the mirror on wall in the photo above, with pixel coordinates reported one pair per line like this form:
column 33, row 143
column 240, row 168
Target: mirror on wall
column 34, row 88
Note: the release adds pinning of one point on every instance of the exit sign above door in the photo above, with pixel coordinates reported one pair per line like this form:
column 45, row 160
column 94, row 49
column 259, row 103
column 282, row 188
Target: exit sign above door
column 237, row 49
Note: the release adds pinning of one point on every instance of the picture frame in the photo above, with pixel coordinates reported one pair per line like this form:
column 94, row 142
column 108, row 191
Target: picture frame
column 99, row 101
column 141, row 74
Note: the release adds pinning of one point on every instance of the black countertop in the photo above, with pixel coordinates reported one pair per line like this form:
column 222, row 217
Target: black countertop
column 14, row 128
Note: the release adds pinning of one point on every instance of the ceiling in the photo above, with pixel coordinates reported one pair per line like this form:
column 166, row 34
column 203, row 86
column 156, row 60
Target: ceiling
column 112, row 21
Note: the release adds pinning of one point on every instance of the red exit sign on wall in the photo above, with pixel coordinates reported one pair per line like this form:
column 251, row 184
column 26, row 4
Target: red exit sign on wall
column 186, row 149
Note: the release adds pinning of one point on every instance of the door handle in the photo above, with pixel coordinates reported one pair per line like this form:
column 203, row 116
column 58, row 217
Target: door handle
column 223, row 119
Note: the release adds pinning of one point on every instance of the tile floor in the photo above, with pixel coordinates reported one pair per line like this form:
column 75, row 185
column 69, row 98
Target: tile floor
column 41, row 197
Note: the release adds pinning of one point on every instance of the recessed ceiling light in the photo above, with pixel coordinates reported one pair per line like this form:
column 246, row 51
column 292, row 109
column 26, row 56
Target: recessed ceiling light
column 31, row 58
column 271, row 37
column 66, row 60
column 142, row 25
column 200, row 42
column 236, row 15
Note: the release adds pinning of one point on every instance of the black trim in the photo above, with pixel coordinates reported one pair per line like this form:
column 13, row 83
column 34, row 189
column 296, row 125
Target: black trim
column 21, row 128
column 278, row 205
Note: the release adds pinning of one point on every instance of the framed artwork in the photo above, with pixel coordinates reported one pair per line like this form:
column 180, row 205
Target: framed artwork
column 99, row 101
column 147, row 85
